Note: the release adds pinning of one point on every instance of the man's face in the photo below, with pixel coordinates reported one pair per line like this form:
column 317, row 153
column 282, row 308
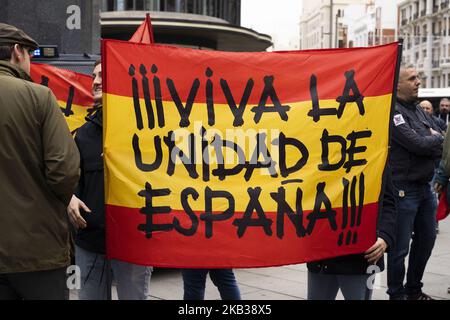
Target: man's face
column 97, row 84
column 408, row 85
column 444, row 107
column 427, row 107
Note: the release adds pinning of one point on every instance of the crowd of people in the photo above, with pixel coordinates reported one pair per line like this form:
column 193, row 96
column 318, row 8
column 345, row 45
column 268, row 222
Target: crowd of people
column 52, row 195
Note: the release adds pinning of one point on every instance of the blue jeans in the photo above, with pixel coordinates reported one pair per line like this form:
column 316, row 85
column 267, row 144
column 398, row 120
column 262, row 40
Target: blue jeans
column 133, row 280
column 194, row 281
column 416, row 212
column 326, row 286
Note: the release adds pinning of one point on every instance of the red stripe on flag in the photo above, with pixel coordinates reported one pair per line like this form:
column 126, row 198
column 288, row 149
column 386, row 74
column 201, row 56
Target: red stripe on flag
column 183, row 66
column 60, row 81
column 225, row 249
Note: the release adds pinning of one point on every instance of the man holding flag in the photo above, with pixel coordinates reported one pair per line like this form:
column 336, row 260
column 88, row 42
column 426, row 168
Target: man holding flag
column 87, row 213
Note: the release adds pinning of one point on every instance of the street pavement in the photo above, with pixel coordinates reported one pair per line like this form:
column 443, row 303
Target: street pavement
column 290, row 282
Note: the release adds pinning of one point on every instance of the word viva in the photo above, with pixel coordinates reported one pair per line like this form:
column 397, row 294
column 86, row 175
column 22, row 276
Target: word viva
column 269, row 91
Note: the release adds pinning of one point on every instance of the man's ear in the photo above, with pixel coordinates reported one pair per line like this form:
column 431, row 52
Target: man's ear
column 16, row 54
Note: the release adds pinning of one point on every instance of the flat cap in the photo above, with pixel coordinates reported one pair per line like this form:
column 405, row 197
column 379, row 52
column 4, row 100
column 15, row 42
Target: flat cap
column 11, row 35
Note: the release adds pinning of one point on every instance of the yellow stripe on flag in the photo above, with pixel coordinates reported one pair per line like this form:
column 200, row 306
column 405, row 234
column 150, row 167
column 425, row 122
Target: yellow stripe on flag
column 125, row 180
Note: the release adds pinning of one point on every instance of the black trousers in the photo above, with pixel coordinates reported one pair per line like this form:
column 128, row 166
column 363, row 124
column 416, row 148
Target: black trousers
column 38, row 285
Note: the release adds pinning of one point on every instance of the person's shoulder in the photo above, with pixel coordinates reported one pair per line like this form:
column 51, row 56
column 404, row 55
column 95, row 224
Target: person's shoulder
column 84, row 128
column 399, row 108
column 39, row 92
column 38, row 88
column 31, row 91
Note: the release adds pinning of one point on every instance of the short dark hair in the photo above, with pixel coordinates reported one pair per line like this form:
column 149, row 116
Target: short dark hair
column 97, row 62
column 6, row 52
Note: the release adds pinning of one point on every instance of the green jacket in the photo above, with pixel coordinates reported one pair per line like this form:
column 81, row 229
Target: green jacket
column 39, row 169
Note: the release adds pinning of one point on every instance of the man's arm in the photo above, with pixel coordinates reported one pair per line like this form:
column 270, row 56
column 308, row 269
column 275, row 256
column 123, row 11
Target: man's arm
column 415, row 143
column 61, row 156
column 386, row 224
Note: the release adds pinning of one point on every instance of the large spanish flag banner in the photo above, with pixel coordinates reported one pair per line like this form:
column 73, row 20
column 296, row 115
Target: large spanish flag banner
column 72, row 90
column 233, row 159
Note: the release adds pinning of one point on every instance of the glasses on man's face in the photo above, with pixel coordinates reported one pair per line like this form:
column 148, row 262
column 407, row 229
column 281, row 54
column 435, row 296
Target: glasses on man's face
column 31, row 53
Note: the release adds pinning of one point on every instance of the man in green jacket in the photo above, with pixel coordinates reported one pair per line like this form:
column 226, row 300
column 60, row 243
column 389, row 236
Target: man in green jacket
column 39, row 169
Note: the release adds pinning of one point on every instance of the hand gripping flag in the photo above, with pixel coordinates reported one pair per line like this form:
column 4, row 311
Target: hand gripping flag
column 226, row 159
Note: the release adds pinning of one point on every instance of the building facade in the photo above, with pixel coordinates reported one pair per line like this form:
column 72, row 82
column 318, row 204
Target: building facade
column 373, row 23
column 71, row 25
column 228, row 10
column 202, row 24
column 322, row 24
column 425, row 27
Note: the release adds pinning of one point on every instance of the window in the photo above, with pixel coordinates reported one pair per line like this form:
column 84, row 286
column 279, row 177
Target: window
column 120, row 5
column 210, row 8
column 134, row 5
column 129, row 5
column 233, row 12
column 109, row 5
column 152, row 5
column 167, row 5
column 190, row 6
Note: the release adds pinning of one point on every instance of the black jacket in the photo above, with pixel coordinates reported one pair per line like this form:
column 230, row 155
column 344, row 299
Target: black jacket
column 91, row 185
column 439, row 123
column 414, row 150
column 443, row 117
column 386, row 225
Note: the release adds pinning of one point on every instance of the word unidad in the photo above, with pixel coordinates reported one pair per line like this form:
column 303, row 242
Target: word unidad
column 259, row 158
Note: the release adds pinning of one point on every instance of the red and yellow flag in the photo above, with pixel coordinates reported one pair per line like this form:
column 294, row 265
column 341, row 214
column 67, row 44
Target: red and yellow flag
column 144, row 33
column 72, row 90
column 225, row 159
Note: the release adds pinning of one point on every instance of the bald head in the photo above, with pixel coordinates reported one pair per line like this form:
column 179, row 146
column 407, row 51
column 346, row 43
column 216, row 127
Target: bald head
column 427, row 107
column 408, row 84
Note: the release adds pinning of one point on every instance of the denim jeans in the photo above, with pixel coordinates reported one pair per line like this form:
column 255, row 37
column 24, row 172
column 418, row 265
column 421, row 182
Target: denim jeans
column 133, row 280
column 194, row 281
column 326, row 286
column 416, row 212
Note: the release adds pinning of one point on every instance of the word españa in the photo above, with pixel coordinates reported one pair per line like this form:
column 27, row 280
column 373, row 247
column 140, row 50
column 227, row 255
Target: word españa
column 303, row 224
column 269, row 91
